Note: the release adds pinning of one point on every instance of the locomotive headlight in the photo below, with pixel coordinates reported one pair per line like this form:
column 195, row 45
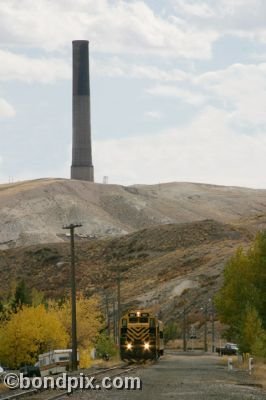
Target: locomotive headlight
column 129, row 346
column 146, row 346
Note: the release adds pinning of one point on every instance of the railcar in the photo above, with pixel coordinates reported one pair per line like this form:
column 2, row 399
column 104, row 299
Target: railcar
column 141, row 336
column 55, row 361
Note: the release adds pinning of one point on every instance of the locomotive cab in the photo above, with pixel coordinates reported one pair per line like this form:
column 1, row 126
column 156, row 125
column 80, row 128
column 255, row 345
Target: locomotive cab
column 141, row 336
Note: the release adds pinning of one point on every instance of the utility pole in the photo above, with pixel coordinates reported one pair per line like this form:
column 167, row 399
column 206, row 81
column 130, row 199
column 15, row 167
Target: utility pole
column 184, row 331
column 107, row 314
column 206, row 328
column 213, row 332
column 118, row 304
column 71, row 228
column 114, row 321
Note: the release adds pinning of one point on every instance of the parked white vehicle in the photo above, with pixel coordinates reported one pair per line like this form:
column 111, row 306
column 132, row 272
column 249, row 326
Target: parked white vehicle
column 55, row 361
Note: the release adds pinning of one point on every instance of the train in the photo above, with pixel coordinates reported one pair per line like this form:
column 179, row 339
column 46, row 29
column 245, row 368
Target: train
column 140, row 336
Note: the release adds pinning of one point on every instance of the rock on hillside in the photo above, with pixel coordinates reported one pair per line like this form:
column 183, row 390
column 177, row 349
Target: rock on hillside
column 167, row 265
column 33, row 212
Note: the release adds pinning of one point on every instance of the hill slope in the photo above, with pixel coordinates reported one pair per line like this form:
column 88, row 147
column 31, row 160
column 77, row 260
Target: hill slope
column 34, row 212
column 167, row 265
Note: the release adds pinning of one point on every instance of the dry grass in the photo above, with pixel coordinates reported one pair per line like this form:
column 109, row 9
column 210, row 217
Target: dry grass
column 235, row 361
column 177, row 344
column 260, row 373
column 3, row 388
column 106, row 364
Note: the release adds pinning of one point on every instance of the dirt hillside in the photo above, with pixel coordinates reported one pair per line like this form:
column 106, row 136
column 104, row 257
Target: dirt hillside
column 167, row 265
column 170, row 241
column 34, row 212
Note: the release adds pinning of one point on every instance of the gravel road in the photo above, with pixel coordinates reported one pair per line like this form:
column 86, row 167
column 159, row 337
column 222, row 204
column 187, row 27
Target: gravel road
column 179, row 376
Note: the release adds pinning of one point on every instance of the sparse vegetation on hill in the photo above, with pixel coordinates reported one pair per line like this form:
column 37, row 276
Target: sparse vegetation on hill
column 170, row 241
column 165, row 265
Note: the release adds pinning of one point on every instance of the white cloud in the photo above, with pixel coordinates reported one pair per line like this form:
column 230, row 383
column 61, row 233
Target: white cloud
column 239, row 88
column 20, row 67
column 188, row 96
column 153, row 114
column 205, row 151
column 258, row 57
column 198, row 9
column 112, row 26
column 6, row 110
column 121, row 27
column 115, row 67
column 208, row 149
column 244, row 18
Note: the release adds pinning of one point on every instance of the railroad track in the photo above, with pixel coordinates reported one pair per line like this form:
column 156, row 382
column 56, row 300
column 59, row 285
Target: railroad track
column 54, row 394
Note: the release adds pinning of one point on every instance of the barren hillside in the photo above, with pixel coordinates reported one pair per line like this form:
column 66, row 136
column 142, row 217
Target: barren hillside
column 34, row 212
column 169, row 241
column 167, row 265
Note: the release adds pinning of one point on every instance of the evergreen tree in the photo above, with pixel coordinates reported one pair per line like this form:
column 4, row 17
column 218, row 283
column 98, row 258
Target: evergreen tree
column 22, row 296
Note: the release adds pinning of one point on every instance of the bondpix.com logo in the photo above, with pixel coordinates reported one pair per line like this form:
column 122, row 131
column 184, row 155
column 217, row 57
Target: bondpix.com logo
column 70, row 383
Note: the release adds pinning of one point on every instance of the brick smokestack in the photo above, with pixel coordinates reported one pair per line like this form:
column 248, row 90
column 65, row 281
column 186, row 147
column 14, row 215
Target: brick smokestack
column 82, row 167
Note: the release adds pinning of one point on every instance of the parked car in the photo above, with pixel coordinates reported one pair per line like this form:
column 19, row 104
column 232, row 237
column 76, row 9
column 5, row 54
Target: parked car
column 30, row 371
column 3, row 368
column 228, row 349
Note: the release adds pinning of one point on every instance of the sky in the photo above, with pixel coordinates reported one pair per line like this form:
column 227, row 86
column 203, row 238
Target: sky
column 178, row 89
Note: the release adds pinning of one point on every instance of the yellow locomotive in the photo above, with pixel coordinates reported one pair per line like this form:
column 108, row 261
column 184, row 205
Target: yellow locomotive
column 141, row 336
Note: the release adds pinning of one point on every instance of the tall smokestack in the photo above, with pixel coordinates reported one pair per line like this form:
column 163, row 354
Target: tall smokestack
column 82, row 167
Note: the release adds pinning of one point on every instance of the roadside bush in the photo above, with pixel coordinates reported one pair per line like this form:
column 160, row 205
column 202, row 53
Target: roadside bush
column 105, row 345
column 172, row 331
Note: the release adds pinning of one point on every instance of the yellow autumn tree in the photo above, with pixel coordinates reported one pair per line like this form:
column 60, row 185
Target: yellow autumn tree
column 89, row 323
column 29, row 332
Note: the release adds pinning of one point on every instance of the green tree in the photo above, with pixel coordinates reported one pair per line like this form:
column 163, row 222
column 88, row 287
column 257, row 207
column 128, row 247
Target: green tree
column 105, row 345
column 258, row 348
column 241, row 302
column 5, row 311
column 37, row 297
column 22, row 296
column 171, row 331
column 1, row 307
column 251, row 330
column 257, row 257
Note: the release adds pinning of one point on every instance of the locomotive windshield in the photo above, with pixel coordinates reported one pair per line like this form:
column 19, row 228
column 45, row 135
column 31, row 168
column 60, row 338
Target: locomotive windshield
column 136, row 320
column 144, row 319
